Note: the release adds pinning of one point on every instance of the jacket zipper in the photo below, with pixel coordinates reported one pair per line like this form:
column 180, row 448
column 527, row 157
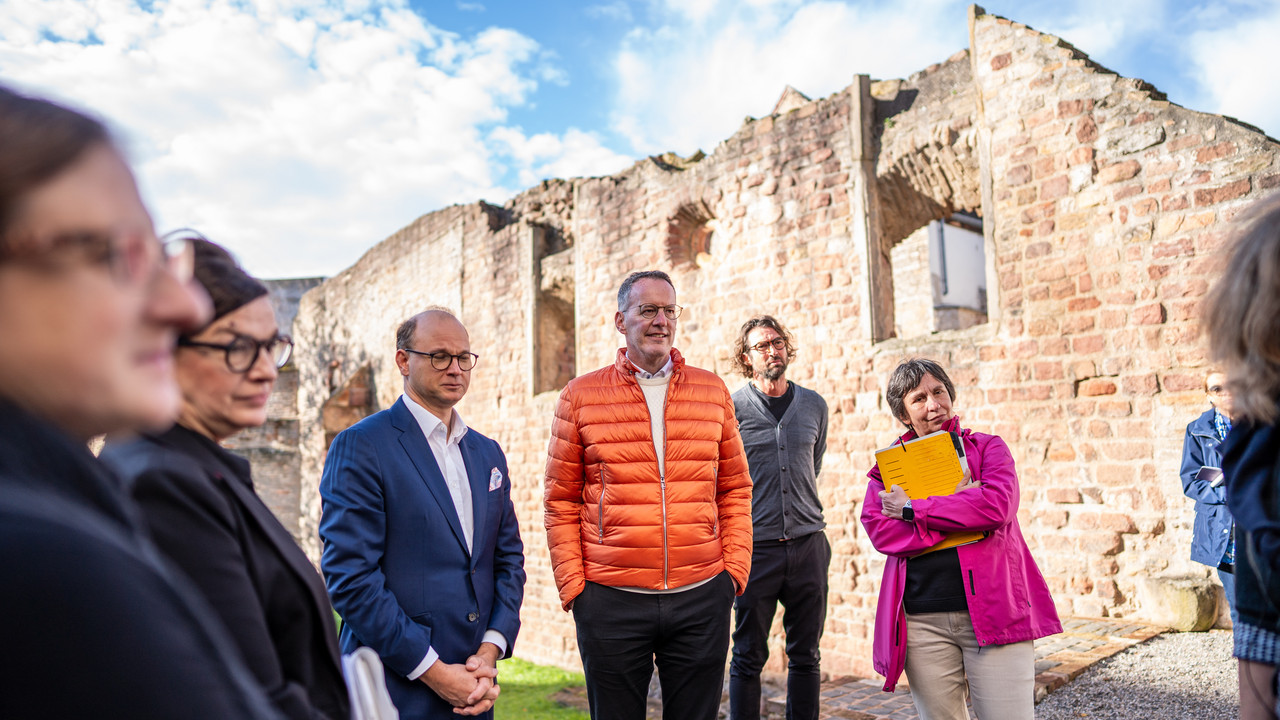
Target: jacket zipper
column 662, row 485
column 777, row 440
column 600, row 512
column 715, row 485
column 662, row 472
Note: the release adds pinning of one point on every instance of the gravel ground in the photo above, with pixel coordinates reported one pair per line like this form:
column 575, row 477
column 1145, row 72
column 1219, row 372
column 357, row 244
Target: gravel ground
column 1173, row 676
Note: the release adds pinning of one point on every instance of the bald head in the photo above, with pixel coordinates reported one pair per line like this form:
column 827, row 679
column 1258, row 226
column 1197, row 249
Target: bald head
column 422, row 343
column 427, row 321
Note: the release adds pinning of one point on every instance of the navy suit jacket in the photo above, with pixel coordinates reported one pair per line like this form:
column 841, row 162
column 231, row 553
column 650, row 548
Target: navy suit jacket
column 395, row 560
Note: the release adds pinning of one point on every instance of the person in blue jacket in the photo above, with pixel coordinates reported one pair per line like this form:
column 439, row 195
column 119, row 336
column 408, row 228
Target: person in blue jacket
column 1212, row 541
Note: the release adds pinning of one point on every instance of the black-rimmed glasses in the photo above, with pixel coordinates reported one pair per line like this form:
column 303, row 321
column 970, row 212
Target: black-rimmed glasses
column 778, row 344
column 649, row 312
column 242, row 352
column 441, row 360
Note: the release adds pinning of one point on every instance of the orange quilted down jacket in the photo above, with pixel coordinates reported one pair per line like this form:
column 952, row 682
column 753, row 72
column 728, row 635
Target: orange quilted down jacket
column 611, row 519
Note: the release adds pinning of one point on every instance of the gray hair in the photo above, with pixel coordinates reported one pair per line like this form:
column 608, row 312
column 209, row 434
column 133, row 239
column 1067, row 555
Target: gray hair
column 906, row 377
column 624, row 292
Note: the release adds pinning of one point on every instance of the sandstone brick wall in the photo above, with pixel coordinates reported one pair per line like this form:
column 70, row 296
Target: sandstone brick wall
column 1110, row 207
column 1104, row 210
column 273, row 448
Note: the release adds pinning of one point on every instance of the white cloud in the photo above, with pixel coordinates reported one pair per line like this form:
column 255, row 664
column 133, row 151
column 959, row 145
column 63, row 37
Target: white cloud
column 296, row 132
column 545, row 155
column 687, row 83
column 1098, row 27
column 1238, row 75
column 617, row 10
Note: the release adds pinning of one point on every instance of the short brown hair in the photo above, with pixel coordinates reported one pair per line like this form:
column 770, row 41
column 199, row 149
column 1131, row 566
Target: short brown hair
column 906, row 377
column 741, row 348
column 1241, row 311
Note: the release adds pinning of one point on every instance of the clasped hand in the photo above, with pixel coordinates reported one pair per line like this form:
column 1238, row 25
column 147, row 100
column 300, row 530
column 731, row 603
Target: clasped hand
column 471, row 687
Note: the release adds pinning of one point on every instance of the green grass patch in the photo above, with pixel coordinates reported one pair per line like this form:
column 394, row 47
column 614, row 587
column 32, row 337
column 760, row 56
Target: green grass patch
column 527, row 691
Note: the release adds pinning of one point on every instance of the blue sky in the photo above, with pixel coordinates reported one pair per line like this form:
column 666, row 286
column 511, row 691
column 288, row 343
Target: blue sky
column 299, row 133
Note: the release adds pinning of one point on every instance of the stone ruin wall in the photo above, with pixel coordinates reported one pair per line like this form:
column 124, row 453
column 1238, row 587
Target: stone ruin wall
column 273, row 448
column 1104, row 210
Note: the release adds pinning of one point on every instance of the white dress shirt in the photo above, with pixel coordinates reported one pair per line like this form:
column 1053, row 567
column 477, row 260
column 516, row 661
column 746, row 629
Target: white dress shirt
column 448, row 456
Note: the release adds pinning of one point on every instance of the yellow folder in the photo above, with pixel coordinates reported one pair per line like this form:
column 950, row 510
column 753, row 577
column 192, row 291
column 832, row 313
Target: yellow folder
column 928, row 466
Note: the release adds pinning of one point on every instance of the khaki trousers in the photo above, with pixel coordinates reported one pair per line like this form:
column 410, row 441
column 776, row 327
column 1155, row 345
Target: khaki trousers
column 942, row 654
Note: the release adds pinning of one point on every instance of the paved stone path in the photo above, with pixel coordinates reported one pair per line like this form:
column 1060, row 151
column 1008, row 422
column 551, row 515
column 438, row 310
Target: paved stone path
column 1059, row 659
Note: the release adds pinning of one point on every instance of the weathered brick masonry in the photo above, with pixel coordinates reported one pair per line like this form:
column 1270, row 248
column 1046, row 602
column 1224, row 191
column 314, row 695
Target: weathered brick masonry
column 1103, row 206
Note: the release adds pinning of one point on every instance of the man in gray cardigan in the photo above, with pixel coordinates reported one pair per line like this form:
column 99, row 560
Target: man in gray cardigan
column 784, row 429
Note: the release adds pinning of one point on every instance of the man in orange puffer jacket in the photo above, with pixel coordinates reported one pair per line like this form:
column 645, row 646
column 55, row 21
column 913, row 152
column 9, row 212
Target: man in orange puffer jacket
column 648, row 514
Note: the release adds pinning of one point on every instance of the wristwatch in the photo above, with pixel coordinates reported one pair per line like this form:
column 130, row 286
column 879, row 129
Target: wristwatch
column 908, row 513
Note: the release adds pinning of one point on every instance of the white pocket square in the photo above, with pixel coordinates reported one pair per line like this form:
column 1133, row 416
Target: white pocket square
column 495, row 479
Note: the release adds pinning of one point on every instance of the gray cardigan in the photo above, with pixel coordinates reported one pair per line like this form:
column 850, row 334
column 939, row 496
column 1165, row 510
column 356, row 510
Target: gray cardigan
column 785, row 458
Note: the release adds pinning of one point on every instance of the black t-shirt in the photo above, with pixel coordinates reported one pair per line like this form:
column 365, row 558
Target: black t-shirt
column 777, row 405
column 934, row 583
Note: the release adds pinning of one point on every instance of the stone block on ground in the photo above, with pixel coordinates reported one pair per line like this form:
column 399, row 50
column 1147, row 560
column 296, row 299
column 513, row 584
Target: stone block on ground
column 1185, row 604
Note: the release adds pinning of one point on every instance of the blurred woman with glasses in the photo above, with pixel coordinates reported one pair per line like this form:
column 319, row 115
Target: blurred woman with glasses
column 203, row 512
column 95, row 624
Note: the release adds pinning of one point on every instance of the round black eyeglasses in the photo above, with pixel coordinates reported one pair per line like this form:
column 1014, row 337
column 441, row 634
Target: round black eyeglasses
column 242, row 352
column 441, row 360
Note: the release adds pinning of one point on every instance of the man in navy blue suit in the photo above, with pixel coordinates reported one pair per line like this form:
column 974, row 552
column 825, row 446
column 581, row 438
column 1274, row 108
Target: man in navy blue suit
column 422, row 554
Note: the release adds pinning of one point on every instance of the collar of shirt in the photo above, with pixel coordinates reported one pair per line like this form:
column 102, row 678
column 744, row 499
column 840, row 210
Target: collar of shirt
column 663, row 371
column 1221, row 424
column 432, row 424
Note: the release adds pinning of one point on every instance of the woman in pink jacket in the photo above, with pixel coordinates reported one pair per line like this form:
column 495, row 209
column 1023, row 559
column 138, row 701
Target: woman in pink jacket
column 965, row 616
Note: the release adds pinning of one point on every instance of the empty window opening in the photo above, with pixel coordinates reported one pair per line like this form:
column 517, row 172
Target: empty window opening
column 940, row 277
column 554, row 328
column 689, row 234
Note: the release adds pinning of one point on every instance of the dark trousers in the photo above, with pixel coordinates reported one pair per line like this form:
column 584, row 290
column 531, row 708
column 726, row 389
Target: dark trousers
column 793, row 572
column 621, row 634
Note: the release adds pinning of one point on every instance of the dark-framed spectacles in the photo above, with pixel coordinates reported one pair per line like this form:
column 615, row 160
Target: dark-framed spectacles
column 441, row 360
column 649, row 312
column 131, row 259
column 778, row 344
column 242, row 352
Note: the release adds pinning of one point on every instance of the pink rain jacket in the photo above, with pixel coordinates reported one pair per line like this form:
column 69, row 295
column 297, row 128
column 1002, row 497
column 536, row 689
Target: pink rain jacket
column 1007, row 596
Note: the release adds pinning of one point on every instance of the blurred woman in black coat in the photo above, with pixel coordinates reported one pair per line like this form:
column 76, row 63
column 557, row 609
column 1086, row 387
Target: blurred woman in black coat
column 203, row 512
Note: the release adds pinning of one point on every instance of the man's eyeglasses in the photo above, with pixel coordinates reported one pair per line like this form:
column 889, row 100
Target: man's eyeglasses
column 778, row 344
column 242, row 352
column 130, row 259
column 441, row 360
column 649, row 312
